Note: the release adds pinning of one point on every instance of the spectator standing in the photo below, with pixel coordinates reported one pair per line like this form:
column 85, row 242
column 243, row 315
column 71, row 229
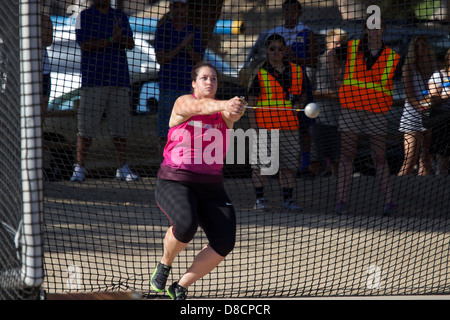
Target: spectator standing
column 104, row 35
column 366, row 95
column 301, row 50
column 301, row 41
column 279, row 84
column 178, row 47
column 440, row 132
column 418, row 68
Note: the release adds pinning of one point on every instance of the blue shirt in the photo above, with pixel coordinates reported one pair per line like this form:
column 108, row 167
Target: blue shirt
column 176, row 74
column 300, row 45
column 107, row 66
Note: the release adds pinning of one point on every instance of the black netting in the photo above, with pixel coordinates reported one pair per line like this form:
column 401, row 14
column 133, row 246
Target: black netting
column 358, row 201
column 17, row 277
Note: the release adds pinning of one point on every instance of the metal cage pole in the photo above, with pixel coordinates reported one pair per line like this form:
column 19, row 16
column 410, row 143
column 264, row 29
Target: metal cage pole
column 31, row 238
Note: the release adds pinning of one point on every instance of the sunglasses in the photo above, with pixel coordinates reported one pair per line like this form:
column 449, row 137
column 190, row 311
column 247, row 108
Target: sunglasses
column 272, row 49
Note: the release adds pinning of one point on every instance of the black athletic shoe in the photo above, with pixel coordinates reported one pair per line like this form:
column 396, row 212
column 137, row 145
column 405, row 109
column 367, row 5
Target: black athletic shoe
column 177, row 292
column 159, row 277
column 389, row 209
column 341, row 208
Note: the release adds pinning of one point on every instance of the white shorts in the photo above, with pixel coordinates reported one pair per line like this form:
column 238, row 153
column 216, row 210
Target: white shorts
column 96, row 101
column 363, row 122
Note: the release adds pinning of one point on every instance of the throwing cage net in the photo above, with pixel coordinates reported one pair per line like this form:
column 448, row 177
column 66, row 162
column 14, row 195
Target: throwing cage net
column 355, row 202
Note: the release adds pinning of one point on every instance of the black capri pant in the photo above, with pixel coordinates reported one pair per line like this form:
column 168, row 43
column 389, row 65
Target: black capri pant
column 189, row 205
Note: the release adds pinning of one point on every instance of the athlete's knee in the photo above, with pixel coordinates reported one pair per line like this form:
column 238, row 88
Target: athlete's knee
column 186, row 232
column 224, row 246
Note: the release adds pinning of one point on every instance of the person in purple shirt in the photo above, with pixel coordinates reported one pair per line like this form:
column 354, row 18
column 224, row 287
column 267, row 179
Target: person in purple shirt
column 103, row 34
column 178, row 47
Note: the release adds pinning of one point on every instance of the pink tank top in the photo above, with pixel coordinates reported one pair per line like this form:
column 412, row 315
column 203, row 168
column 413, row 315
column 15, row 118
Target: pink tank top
column 198, row 145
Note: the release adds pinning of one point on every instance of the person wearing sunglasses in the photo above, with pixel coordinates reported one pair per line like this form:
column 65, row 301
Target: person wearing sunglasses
column 278, row 85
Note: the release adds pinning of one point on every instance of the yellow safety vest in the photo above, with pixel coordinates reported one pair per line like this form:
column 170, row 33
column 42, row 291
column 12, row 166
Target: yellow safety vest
column 273, row 96
column 364, row 89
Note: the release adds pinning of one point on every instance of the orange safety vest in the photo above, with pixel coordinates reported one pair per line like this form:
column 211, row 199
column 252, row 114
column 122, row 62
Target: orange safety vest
column 370, row 90
column 273, row 96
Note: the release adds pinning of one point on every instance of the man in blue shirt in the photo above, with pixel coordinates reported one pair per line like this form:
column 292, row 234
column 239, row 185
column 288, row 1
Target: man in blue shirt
column 178, row 47
column 104, row 35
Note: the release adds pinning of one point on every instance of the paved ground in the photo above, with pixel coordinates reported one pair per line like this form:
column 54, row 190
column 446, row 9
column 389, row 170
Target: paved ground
column 105, row 235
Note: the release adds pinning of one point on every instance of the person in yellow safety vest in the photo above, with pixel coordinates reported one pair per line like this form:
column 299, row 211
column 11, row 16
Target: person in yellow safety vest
column 366, row 95
column 278, row 85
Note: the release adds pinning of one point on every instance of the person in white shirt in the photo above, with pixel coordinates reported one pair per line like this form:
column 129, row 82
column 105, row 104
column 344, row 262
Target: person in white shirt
column 440, row 130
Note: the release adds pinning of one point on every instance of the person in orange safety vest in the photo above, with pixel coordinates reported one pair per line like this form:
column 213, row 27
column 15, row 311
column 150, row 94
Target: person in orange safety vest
column 366, row 95
column 279, row 85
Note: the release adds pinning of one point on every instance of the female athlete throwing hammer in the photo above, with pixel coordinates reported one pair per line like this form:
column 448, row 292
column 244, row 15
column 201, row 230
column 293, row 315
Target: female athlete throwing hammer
column 190, row 188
